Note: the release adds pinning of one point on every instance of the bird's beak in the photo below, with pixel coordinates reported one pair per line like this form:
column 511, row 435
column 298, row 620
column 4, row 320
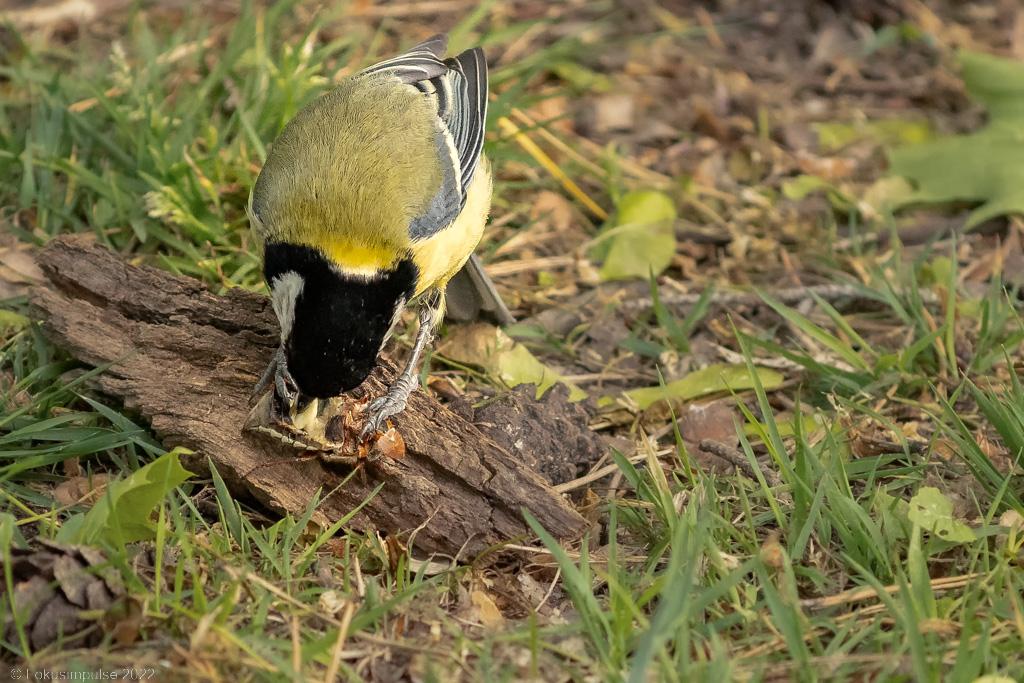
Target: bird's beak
column 303, row 412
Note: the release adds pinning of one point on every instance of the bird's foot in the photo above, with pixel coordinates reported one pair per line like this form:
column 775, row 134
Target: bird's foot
column 277, row 372
column 391, row 403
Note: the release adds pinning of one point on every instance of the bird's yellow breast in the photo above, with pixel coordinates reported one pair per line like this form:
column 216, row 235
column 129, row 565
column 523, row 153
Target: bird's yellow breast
column 358, row 258
column 441, row 255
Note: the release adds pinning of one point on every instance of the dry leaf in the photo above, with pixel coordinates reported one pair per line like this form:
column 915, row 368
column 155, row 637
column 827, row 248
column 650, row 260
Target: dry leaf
column 490, row 615
column 332, row 602
column 710, row 421
column 552, row 212
column 827, row 168
column 391, row 444
column 1012, row 520
column 772, row 552
column 81, row 490
column 943, row 627
column 395, row 550
column 123, row 620
column 18, row 271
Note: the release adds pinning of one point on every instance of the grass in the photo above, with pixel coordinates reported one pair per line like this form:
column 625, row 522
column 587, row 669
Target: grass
column 844, row 571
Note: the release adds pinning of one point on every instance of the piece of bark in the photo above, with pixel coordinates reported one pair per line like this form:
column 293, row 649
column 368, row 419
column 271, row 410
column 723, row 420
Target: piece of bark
column 187, row 360
column 550, row 434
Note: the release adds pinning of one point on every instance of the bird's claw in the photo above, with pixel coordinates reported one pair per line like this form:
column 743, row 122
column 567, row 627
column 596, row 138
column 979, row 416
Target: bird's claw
column 285, row 387
column 380, row 410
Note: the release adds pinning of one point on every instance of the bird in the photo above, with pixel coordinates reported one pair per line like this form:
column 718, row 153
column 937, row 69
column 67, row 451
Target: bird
column 373, row 196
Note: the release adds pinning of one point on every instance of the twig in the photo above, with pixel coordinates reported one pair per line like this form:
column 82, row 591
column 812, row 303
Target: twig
column 856, row 594
column 734, row 457
column 513, row 131
column 558, row 144
column 594, row 476
column 710, row 32
column 789, row 296
column 411, row 9
column 515, row 267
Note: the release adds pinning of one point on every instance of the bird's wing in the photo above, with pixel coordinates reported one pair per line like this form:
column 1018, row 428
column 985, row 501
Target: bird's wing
column 470, row 292
column 458, row 87
column 419, row 63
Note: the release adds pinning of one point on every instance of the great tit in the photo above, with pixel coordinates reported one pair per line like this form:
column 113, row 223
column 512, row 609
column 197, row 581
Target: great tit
column 373, row 195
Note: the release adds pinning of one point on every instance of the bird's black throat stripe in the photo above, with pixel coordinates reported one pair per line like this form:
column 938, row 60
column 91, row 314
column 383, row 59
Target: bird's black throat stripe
column 340, row 321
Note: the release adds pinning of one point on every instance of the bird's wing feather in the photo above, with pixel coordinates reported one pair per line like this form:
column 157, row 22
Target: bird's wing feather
column 418, row 63
column 458, row 87
column 466, row 117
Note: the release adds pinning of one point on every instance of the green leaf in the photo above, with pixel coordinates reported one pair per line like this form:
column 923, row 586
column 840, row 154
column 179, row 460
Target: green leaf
column 933, row 512
column 581, row 78
column 982, row 167
column 123, row 514
column 711, row 380
column 803, row 185
column 884, row 195
column 644, row 239
column 646, row 206
column 806, row 423
column 834, row 136
column 11, row 322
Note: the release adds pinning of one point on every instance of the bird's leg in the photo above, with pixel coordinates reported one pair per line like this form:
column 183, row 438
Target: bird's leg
column 394, row 400
column 284, row 384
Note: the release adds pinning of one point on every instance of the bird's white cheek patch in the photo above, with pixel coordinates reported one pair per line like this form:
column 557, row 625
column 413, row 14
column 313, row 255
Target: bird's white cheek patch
column 284, row 290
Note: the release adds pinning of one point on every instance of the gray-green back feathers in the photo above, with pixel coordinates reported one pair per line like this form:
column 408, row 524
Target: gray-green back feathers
column 458, row 87
column 384, row 158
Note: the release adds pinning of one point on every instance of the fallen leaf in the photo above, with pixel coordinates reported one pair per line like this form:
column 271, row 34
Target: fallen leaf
column 1013, row 521
column 984, row 166
column 123, row 620
column 934, row 512
column 643, row 239
column 11, row 322
column 332, row 602
column 711, row 380
column 884, row 195
column 803, row 185
column 551, row 212
column 490, row 615
column 1011, row 518
column 122, row 515
column 772, row 552
column 391, row 444
column 81, row 490
column 18, row 271
column 828, row 168
column 616, row 112
column 709, row 421
column 395, row 550
column 503, row 358
column 834, row 136
column 531, row 589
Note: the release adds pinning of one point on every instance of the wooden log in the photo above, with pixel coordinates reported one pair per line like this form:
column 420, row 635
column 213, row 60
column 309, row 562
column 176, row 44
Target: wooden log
column 187, row 360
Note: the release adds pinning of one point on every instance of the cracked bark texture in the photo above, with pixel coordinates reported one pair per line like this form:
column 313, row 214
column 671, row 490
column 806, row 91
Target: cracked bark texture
column 187, row 360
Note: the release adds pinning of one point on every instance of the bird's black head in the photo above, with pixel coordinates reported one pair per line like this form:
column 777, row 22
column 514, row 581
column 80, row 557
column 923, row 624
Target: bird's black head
column 332, row 325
